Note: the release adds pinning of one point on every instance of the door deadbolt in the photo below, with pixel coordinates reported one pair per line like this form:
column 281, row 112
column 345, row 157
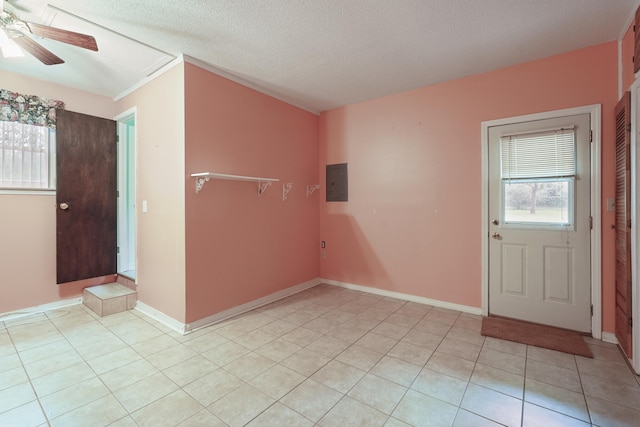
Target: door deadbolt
column 64, row 206
column 495, row 222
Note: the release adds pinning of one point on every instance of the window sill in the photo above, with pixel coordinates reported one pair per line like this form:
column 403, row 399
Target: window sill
column 27, row 192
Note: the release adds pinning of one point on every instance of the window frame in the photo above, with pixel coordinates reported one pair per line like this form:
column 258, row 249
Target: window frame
column 530, row 225
column 51, row 154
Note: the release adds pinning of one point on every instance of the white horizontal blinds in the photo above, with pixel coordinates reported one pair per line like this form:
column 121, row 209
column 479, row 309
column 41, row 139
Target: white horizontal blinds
column 544, row 154
column 24, row 155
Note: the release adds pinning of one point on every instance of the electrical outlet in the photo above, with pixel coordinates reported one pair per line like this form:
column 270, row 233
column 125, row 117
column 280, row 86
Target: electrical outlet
column 611, row 205
column 324, row 254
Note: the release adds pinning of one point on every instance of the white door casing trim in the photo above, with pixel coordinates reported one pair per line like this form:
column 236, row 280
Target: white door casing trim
column 595, row 112
column 120, row 118
column 635, row 214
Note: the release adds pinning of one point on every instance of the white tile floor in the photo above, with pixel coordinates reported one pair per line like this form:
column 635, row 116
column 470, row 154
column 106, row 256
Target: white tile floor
column 327, row 357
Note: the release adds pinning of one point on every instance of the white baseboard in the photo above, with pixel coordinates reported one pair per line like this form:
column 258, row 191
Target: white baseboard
column 184, row 329
column 12, row 315
column 160, row 317
column 609, row 337
column 406, row 297
column 227, row 314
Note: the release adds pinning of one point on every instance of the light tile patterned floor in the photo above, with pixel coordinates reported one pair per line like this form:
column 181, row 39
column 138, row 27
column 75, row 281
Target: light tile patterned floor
column 327, row 357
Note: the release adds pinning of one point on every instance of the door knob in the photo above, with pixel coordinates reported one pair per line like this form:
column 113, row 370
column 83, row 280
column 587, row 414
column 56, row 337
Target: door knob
column 64, row 206
column 496, row 236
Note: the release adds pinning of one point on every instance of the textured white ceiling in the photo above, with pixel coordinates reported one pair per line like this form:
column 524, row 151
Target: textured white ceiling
column 321, row 54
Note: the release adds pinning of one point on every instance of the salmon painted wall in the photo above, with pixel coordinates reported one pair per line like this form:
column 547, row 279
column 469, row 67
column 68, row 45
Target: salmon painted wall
column 239, row 246
column 413, row 220
column 160, row 180
column 28, row 222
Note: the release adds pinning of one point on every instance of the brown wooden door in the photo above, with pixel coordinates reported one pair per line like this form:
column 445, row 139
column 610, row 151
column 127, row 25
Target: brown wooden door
column 86, row 205
column 623, row 223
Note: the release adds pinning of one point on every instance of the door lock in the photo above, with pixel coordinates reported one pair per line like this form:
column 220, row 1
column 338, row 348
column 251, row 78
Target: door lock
column 495, row 222
column 64, row 206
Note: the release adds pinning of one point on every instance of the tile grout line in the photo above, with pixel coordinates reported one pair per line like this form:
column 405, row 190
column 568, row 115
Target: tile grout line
column 524, row 384
column 346, row 394
column 22, row 365
column 350, row 344
column 83, row 360
column 584, row 394
column 144, row 357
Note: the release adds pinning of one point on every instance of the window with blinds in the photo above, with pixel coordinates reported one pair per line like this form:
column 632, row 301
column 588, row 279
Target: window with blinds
column 538, row 172
column 27, row 156
column 550, row 154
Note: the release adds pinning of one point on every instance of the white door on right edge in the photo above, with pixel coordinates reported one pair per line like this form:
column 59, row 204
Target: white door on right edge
column 539, row 213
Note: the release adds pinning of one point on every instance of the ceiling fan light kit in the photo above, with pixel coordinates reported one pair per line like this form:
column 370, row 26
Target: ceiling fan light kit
column 19, row 34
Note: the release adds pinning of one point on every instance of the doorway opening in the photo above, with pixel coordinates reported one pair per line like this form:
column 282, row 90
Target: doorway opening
column 127, row 194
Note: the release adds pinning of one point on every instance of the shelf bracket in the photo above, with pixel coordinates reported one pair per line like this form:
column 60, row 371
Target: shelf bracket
column 312, row 188
column 200, row 183
column 285, row 190
column 262, row 187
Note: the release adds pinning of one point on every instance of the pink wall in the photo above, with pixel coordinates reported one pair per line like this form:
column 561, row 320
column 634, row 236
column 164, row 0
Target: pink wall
column 28, row 265
column 412, row 223
column 27, row 222
column 74, row 99
column 240, row 247
column 160, row 180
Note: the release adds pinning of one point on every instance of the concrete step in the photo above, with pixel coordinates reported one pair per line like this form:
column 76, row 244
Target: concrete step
column 109, row 299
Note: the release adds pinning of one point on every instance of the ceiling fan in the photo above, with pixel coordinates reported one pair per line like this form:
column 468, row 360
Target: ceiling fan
column 21, row 33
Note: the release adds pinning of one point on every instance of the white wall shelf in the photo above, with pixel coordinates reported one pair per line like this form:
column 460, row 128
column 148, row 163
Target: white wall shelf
column 263, row 183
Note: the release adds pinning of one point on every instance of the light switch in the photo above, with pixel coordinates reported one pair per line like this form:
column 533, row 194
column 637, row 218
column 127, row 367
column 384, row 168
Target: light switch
column 144, row 206
column 611, row 205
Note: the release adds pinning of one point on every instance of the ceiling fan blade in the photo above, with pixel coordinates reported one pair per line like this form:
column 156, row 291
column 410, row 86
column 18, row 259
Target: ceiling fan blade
column 43, row 55
column 64, row 36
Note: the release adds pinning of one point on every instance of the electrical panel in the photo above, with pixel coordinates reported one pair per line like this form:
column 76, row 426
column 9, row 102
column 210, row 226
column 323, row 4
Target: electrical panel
column 337, row 183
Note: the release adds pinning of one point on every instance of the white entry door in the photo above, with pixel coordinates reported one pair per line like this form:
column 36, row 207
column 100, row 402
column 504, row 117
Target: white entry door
column 540, row 221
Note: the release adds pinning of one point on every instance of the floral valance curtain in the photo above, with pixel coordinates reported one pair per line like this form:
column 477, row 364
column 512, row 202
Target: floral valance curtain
column 28, row 109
